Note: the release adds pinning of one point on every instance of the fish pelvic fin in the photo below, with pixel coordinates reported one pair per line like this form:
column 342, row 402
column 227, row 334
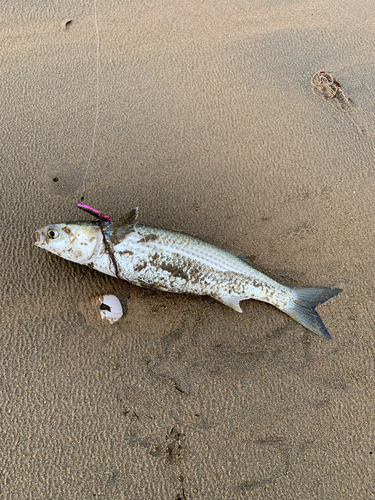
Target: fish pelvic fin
column 232, row 302
column 303, row 307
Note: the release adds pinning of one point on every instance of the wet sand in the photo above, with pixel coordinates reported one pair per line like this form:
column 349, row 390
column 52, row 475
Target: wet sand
column 208, row 122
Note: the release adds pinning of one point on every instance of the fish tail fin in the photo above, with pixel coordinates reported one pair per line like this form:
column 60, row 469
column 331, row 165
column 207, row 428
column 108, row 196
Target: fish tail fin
column 302, row 310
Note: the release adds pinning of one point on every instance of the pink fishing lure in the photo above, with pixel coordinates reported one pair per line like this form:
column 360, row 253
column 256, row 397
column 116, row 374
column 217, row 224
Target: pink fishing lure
column 94, row 212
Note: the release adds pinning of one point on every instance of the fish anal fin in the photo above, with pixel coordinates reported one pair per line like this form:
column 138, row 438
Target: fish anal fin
column 230, row 301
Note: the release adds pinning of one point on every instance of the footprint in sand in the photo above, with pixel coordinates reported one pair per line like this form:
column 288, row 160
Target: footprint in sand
column 325, row 86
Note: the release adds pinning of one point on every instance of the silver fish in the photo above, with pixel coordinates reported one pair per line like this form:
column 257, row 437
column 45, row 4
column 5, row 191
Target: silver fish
column 175, row 262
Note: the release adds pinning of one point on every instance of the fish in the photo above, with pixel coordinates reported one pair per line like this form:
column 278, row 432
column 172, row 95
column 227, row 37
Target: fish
column 175, row 262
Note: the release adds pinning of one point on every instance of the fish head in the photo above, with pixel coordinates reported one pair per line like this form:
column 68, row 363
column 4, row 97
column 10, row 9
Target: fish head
column 75, row 241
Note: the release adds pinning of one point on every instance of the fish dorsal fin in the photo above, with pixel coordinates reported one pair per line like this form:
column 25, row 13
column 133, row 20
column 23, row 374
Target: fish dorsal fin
column 244, row 257
column 115, row 231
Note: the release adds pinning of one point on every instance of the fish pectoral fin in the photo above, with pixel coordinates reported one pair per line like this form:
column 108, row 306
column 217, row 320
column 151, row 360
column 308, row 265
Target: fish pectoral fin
column 129, row 219
column 232, row 302
column 118, row 229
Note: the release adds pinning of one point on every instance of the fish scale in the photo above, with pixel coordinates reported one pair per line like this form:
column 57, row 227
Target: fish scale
column 176, row 262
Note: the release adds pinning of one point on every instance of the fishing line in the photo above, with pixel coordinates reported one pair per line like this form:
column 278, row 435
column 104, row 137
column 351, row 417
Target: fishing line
column 97, row 103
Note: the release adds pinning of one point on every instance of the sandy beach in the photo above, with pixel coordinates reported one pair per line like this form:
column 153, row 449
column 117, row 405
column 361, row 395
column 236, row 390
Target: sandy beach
column 209, row 122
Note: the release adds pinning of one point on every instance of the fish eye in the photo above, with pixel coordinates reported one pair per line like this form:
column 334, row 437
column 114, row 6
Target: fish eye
column 53, row 233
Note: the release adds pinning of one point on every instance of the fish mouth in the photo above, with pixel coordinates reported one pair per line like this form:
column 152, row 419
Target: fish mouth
column 39, row 239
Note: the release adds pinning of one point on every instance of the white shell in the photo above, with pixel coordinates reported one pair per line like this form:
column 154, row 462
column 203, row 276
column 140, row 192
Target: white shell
column 114, row 305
